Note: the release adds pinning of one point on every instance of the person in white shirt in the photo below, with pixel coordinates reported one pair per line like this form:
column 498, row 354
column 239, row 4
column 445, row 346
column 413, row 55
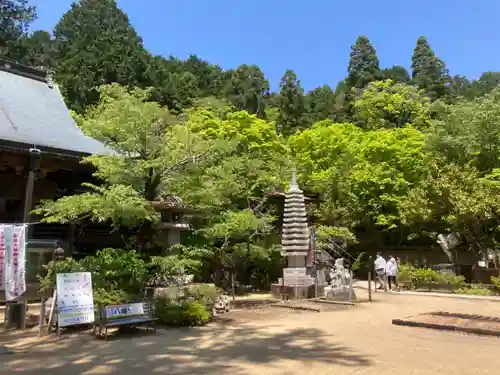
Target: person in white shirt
column 380, row 268
column 392, row 272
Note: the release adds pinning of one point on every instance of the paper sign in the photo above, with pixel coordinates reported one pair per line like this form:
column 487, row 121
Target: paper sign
column 75, row 302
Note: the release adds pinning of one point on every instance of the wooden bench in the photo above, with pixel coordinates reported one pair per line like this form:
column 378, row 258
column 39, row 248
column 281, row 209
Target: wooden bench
column 125, row 315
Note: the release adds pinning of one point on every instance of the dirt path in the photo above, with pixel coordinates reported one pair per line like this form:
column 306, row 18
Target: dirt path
column 360, row 340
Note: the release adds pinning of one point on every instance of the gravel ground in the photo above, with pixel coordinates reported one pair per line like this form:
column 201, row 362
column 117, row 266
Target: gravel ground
column 360, row 340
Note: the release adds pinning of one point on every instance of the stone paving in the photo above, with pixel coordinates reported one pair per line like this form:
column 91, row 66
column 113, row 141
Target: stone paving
column 360, row 340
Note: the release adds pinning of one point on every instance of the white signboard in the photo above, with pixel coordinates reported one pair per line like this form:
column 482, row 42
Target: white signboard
column 13, row 260
column 75, row 302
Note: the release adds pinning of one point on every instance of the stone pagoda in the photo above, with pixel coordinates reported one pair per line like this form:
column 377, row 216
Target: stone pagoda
column 296, row 283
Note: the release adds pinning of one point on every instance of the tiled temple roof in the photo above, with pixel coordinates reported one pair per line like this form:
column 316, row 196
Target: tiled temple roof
column 33, row 114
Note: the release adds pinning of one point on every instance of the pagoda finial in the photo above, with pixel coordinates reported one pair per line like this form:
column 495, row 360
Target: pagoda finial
column 294, row 178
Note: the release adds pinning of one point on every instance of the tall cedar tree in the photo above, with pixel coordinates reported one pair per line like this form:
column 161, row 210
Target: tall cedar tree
column 247, row 89
column 342, row 104
column 290, row 104
column 209, row 77
column 15, row 17
column 429, row 72
column 95, row 44
column 397, row 74
column 363, row 64
column 38, row 49
column 320, row 104
column 173, row 86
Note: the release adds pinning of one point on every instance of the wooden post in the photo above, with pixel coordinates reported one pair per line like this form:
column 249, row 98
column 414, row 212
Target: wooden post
column 5, row 317
column 283, row 298
column 316, row 285
column 41, row 319
column 232, row 286
column 370, row 286
column 28, row 195
column 24, row 307
column 350, row 286
column 34, row 163
column 372, row 274
column 52, row 310
column 385, row 282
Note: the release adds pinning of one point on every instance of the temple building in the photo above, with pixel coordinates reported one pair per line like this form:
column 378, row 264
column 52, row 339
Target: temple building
column 40, row 151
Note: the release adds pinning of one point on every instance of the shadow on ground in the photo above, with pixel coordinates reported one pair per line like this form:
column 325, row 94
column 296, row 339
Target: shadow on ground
column 214, row 349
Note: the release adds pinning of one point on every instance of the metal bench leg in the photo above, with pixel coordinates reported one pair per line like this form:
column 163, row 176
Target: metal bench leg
column 106, row 334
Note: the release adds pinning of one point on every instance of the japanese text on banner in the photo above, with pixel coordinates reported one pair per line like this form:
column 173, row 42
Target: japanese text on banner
column 15, row 261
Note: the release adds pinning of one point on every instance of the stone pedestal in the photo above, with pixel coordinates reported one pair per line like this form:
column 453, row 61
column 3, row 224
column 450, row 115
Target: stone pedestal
column 295, row 284
column 292, row 291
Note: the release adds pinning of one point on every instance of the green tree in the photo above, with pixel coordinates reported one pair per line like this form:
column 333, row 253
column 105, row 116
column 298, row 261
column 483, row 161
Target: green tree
column 290, row 104
column 15, row 18
column 471, row 89
column 247, row 88
column 385, row 104
column 397, row 74
column 361, row 175
column 429, row 72
column 234, row 191
column 487, row 83
column 455, row 199
column 209, row 77
column 320, row 104
column 461, row 86
column 153, row 152
column 95, row 44
column 342, row 104
column 166, row 75
column 363, row 64
column 469, row 132
column 38, row 49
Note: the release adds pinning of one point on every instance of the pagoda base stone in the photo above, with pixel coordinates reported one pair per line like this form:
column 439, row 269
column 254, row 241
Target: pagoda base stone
column 292, row 291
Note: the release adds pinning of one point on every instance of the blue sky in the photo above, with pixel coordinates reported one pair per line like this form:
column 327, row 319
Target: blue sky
column 311, row 37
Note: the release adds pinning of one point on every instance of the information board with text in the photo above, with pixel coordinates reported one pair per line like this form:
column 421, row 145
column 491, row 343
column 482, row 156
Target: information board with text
column 75, row 302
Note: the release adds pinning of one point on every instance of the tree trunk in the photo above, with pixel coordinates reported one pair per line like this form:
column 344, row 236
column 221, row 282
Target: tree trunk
column 232, row 285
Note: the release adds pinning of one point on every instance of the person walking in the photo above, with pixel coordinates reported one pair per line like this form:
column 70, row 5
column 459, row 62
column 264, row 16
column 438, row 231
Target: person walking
column 380, row 268
column 392, row 272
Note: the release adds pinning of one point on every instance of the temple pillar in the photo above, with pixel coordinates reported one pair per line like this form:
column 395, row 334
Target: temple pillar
column 30, row 183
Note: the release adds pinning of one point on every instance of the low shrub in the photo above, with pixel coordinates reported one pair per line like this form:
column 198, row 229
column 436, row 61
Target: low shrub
column 195, row 313
column 361, row 263
column 496, row 281
column 114, row 297
column 181, row 313
column 457, row 281
column 404, row 272
column 423, row 277
column 416, row 278
column 201, row 291
column 477, row 290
